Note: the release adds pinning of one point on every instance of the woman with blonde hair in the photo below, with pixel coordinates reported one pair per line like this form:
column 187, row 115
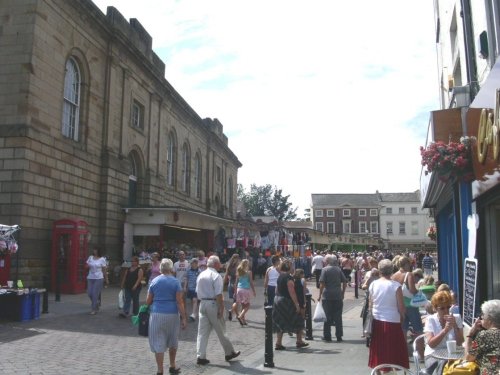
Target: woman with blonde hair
column 244, row 282
column 406, row 278
column 441, row 327
column 229, row 280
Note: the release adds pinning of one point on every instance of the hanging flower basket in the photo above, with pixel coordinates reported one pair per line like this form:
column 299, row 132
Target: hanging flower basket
column 449, row 160
column 432, row 233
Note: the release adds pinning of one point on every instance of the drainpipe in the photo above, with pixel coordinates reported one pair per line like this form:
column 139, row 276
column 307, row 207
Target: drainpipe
column 470, row 51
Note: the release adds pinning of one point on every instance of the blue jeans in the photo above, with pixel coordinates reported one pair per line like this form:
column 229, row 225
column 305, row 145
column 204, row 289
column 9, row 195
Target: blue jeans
column 94, row 288
column 271, row 292
column 413, row 319
column 131, row 296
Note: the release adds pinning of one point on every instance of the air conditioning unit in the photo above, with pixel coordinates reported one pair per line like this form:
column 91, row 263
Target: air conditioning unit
column 461, row 96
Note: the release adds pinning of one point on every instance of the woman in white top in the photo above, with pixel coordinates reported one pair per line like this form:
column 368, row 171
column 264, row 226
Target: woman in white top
column 271, row 279
column 441, row 327
column 387, row 343
column 96, row 265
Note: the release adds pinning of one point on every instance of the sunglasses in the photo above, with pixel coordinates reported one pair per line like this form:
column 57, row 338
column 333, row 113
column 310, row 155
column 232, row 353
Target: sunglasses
column 443, row 308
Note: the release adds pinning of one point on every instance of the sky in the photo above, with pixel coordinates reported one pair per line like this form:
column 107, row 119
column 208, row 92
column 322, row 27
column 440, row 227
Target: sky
column 315, row 96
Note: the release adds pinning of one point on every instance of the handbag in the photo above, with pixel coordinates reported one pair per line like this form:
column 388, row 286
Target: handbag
column 419, row 299
column 142, row 320
column 461, row 366
column 121, row 299
column 368, row 327
column 319, row 313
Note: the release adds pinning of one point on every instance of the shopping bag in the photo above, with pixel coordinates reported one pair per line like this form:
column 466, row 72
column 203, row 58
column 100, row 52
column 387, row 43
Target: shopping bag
column 368, row 327
column 319, row 313
column 121, row 299
column 419, row 299
column 142, row 320
column 461, row 366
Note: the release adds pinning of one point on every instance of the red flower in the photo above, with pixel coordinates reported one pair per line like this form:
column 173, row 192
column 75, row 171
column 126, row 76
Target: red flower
column 448, row 160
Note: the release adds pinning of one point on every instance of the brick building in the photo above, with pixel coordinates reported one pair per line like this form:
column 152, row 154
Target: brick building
column 91, row 129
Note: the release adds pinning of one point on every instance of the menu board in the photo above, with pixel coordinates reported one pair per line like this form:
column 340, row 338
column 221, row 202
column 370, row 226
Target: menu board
column 470, row 284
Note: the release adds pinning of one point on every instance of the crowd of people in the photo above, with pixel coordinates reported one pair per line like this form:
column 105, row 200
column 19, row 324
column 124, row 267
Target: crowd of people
column 194, row 290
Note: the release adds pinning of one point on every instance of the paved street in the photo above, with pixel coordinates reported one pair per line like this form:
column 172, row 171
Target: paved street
column 69, row 340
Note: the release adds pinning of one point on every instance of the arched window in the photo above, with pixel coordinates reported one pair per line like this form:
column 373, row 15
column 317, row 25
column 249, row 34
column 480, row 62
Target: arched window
column 197, row 175
column 71, row 103
column 186, row 168
column 170, row 160
column 132, row 181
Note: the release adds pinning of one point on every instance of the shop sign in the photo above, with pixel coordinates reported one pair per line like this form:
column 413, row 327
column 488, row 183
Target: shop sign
column 484, row 125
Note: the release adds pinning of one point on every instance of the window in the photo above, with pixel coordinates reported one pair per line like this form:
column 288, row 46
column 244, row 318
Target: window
column 373, row 227
column 362, row 212
column 217, row 173
column 389, row 227
column 330, row 227
column 319, row 227
column 362, row 227
column 170, row 159
column 185, row 168
column 318, row 213
column 71, row 103
column 373, row 212
column 401, row 210
column 330, row 213
column 346, row 213
column 414, row 228
column 137, row 115
column 230, row 195
column 402, row 227
column 388, row 210
column 414, row 210
column 197, row 176
column 346, row 227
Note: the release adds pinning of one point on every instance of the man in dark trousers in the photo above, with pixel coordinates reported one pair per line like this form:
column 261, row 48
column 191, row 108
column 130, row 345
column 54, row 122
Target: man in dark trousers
column 331, row 293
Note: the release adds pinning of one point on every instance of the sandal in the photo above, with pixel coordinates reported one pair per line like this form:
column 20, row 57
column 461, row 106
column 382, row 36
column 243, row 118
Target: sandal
column 302, row 344
column 173, row 370
column 279, row 347
column 240, row 320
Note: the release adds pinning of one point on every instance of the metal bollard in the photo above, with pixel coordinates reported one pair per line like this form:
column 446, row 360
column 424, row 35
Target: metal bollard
column 45, row 300
column 309, row 327
column 268, row 348
column 356, row 284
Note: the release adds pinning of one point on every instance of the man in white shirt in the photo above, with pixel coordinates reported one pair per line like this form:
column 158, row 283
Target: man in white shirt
column 209, row 291
column 317, row 266
column 181, row 267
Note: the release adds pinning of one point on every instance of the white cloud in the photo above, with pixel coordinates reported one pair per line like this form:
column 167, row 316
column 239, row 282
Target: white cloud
column 315, row 96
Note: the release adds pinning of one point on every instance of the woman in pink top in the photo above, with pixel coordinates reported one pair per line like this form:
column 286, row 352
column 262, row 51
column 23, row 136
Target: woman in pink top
column 155, row 267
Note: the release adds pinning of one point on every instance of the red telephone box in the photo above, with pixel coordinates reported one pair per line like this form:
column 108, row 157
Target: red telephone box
column 69, row 255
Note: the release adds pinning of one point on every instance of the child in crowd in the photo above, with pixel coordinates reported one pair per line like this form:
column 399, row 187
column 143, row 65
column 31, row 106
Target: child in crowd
column 190, row 288
column 300, row 290
column 244, row 282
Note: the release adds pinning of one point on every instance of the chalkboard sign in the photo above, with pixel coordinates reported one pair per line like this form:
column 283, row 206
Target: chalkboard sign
column 470, row 283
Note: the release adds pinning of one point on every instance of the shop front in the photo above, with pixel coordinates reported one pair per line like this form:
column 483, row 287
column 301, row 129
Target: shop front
column 169, row 229
column 483, row 120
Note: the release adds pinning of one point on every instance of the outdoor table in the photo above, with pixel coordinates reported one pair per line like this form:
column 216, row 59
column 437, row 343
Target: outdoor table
column 443, row 353
column 20, row 304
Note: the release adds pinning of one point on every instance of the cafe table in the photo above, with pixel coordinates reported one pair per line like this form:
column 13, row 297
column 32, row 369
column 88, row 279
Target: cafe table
column 443, row 353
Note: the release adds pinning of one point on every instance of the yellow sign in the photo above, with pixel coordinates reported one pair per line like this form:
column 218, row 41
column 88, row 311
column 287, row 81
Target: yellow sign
column 488, row 131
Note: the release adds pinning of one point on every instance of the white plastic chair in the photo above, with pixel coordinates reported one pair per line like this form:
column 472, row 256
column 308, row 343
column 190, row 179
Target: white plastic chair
column 386, row 367
column 420, row 370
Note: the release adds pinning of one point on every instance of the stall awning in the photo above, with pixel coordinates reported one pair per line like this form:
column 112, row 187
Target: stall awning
column 486, row 96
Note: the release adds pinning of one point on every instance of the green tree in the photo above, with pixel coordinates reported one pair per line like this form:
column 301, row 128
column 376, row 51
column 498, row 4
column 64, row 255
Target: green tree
column 267, row 201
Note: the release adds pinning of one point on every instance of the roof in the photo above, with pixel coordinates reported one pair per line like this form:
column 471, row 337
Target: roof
column 362, row 200
column 345, row 200
column 400, row 197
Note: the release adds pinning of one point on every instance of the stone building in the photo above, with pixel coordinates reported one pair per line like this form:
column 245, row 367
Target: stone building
column 395, row 220
column 90, row 128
